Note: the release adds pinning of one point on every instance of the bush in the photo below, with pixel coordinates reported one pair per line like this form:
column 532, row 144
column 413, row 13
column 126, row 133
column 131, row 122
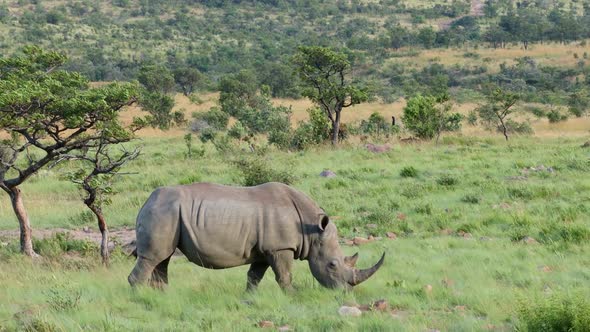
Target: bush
column 557, row 313
column 61, row 243
column 471, row 199
column 375, row 125
column 408, row 172
column 514, row 127
column 237, row 131
column 213, row 118
column 428, row 116
column 256, row 170
column 555, row 116
column 447, row 180
column 313, row 132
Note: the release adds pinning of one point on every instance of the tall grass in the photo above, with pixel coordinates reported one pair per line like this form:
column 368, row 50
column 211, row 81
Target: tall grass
column 460, row 211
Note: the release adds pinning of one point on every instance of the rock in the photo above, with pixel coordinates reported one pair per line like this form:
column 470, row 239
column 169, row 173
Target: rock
column 350, row 311
column 529, row 240
column 377, row 148
column 86, row 229
column 266, row 324
column 391, row 235
column 428, row 289
column 360, row 240
column 349, row 243
column 284, row 328
column 327, row 174
column 371, row 226
column 484, row 238
column 371, row 238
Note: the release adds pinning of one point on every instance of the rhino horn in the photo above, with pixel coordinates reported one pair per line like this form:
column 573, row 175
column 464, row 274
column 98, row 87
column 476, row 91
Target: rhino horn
column 351, row 260
column 359, row 276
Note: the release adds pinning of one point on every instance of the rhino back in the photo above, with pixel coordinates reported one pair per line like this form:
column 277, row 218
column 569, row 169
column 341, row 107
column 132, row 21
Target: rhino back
column 224, row 226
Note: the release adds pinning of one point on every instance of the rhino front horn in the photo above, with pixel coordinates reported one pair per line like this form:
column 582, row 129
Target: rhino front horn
column 351, row 260
column 359, row 276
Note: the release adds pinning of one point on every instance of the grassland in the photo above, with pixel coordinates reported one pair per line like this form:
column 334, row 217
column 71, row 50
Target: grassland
column 465, row 221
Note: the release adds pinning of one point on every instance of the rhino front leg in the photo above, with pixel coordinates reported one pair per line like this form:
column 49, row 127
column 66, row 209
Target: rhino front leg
column 281, row 263
column 255, row 274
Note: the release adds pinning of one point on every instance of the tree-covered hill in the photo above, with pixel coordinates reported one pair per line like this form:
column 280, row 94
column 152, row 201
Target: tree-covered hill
column 112, row 40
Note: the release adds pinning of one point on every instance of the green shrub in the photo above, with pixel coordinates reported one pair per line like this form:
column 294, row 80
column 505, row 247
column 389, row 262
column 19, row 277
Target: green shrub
column 213, row 118
column 447, row 180
column 408, row 172
column 471, row 199
column 556, row 313
column 61, row 243
column 428, row 116
column 237, row 131
column 555, row 116
column 257, row 170
column 514, row 127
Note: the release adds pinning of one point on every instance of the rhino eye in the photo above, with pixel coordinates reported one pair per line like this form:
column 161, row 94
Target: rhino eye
column 333, row 263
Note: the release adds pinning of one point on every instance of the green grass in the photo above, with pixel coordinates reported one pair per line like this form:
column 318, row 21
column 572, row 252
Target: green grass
column 465, row 185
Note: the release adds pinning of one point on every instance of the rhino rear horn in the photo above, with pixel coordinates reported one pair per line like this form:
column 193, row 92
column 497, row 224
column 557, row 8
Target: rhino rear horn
column 359, row 276
column 351, row 260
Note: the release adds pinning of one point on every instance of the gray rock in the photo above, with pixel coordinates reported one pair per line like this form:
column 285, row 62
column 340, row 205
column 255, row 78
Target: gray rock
column 327, row 174
column 350, row 311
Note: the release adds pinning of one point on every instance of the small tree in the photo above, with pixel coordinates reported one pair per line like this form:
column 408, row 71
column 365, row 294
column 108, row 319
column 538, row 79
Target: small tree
column 324, row 73
column 156, row 97
column 187, row 78
column 49, row 112
column 428, row 116
column 95, row 177
column 494, row 114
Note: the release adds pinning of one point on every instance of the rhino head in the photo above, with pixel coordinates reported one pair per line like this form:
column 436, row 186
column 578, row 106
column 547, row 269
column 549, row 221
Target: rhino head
column 329, row 265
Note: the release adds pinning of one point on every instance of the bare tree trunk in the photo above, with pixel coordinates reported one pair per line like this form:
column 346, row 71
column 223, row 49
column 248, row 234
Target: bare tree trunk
column 26, row 241
column 335, row 128
column 504, row 129
column 104, row 231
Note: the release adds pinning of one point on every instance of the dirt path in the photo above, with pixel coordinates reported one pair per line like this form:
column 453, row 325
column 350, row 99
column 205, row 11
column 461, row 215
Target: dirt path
column 124, row 237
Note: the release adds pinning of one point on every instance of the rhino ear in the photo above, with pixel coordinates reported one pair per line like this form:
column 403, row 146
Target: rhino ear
column 324, row 221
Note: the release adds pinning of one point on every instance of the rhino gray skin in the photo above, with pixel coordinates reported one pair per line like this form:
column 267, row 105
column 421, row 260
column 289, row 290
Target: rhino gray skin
column 219, row 227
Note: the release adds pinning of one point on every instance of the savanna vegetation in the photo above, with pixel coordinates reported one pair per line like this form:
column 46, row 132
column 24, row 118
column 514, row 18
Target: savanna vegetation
column 454, row 133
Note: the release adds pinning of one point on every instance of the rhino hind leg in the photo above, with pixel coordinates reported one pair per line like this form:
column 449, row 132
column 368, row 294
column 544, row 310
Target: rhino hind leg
column 255, row 274
column 141, row 272
column 281, row 263
column 159, row 277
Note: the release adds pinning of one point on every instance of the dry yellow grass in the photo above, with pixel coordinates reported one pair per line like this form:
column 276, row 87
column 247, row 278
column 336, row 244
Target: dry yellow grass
column 574, row 127
column 551, row 54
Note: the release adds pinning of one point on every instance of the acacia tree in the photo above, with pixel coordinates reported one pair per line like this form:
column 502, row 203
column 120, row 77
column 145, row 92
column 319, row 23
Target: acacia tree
column 187, row 78
column 324, row 73
column 500, row 104
column 95, row 177
column 49, row 112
